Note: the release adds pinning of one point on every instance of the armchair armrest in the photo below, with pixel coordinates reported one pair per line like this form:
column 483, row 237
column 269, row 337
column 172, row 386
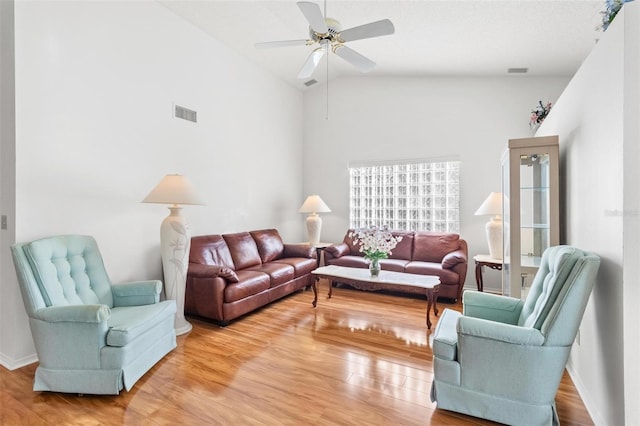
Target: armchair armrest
column 337, row 250
column 198, row 270
column 136, row 293
column 491, row 307
column 74, row 313
column 450, row 260
column 507, row 333
column 299, row 250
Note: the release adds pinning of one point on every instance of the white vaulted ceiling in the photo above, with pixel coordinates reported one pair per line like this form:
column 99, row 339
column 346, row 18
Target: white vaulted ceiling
column 432, row 37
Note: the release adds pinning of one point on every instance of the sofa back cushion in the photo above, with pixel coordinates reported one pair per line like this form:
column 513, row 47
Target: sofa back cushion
column 404, row 248
column 433, row 246
column 244, row 250
column 354, row 249
column 269, row 243
column 210, row 250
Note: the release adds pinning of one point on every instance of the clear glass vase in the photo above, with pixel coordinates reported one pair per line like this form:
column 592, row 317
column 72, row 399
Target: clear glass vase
column 374, row 267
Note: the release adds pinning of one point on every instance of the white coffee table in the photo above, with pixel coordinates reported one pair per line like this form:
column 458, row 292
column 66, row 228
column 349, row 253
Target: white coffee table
column 361, row 278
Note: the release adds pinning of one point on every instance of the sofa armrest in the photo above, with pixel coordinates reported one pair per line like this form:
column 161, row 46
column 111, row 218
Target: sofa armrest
column 337, row 250
column 136, row 293
column 299, row 250
column 74, row 313
column 491, row 306
column 197, row 270
column 450, row 260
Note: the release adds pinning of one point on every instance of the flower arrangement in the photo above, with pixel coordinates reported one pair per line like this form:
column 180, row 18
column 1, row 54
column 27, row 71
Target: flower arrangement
column 375, row 242
column 539, row 113
column 612, row 7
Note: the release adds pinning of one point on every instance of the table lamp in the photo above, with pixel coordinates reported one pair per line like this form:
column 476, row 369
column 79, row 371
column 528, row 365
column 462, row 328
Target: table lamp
column 492, row 206
column 314, row 205
column 175, row 240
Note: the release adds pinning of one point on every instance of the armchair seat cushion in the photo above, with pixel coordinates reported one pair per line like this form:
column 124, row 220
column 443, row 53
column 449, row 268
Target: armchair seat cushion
column 128, row 323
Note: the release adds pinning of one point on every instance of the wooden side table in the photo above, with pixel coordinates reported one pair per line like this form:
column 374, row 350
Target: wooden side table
column 319, row 249
column 488, row 261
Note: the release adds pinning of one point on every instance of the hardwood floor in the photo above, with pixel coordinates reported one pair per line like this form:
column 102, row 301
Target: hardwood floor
column 358, row 358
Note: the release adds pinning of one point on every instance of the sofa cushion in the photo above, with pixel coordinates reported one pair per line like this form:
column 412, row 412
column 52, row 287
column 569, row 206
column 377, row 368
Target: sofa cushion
column 433, row 246
column 447, row 276
column 279, row 273
column 396, row 265
column 250, row 283
column 301, row 265
column 351, row 261
column 404, row 248
column 210, row 250
column 243, row 249
column 128, row 323
column 269, row 243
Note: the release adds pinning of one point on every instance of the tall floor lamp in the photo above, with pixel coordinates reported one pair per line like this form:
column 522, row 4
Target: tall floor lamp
column 314, row 205
column 492, row 206
column 175, row 240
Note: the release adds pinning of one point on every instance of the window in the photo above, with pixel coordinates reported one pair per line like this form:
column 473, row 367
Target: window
column 420, row 196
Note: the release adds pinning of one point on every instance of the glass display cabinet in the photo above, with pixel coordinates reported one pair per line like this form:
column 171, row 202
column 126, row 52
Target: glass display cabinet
column 530, row 186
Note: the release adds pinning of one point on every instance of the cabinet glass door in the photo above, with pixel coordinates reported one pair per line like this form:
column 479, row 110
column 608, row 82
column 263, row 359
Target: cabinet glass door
column 530, row 225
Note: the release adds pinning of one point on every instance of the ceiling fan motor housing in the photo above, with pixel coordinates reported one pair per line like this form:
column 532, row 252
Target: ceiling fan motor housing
column 331, row 35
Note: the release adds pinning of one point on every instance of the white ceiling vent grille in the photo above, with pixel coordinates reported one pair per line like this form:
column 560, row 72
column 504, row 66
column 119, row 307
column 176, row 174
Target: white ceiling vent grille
column 310, row 82
column 185, row 113
column 518, row 70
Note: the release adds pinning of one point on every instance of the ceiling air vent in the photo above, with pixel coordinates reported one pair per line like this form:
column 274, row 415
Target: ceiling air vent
column 310, row 82
column 185, row 113
column 518, row 70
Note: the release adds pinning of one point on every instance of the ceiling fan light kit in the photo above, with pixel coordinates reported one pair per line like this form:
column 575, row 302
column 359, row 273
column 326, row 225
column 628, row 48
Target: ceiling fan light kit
column 327, row 32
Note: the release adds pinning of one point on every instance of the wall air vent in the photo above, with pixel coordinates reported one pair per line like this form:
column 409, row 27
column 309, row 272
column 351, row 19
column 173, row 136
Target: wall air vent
column 310, row 82
column 185, row 113
column 518, row 70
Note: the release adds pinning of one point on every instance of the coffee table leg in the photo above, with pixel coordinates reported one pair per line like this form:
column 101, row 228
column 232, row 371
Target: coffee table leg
column 330, row 288
column 315, row 292
column 432, row 297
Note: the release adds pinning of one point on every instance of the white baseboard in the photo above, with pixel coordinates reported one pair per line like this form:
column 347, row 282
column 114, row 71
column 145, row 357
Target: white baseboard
column 13, row 364
column 584, row 395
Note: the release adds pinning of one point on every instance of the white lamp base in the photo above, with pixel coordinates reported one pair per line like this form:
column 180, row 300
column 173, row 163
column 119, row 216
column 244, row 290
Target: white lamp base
column 314, row 226
column 494, row 237
column 175, row 242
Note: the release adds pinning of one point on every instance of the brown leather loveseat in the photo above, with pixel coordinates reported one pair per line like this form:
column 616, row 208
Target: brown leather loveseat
column 421, row 252
column 233, row 274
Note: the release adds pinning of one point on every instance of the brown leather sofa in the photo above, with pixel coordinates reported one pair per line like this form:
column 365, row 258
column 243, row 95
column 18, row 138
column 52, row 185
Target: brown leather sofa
column 427, row 253
column 233, row 274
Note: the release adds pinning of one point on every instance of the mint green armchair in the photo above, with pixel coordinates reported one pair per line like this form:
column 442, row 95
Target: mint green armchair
column 90, row 336
column 502, row 359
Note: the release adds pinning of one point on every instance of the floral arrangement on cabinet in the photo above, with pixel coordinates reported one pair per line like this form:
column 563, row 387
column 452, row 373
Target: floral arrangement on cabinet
column 539, row 113
column 612, row 7
column 375, row 243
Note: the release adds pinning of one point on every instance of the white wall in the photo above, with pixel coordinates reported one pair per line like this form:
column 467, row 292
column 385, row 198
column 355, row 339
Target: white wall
column 373, row 119
column 597, row 120
column 95, row 84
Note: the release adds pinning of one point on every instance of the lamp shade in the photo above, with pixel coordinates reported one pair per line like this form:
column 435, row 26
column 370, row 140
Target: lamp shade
column 314, row 204
column 173, row 189
column 492, row 206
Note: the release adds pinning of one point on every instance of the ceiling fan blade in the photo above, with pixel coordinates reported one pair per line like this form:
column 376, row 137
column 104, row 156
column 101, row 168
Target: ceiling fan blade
column 354, row 58
column 372, row 29
column 283, row 43
column 311, row 63
column 312, row 12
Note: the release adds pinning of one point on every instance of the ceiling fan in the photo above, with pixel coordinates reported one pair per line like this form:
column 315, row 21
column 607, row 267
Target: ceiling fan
column 328, row 33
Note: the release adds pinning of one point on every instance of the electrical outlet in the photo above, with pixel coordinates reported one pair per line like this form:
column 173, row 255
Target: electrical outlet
column 3, row 221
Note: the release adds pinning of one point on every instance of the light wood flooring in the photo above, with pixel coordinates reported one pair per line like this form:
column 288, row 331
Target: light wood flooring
column 359, row 358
